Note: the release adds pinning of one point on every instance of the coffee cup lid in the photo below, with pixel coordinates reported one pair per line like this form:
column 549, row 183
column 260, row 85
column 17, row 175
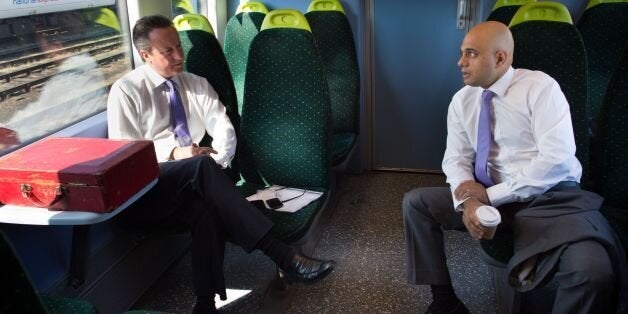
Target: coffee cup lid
column 489, row 216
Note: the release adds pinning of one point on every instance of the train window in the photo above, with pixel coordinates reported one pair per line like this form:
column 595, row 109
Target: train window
column 57, row 62
column 184, row 6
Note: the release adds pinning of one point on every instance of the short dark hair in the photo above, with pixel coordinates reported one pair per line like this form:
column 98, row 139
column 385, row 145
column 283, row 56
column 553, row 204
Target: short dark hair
column 144, row 26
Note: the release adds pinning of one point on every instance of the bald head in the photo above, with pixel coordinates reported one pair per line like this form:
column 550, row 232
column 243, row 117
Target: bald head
column 495, row 35
column 487, row 52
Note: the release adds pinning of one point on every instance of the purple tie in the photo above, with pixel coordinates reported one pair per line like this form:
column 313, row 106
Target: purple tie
column 485, row 137
column 177, row 116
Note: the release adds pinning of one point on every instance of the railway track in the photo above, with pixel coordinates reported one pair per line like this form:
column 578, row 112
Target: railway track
column 23, row 79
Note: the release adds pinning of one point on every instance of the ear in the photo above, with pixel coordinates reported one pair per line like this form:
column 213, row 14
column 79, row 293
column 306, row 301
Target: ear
column 502, row 57
column 144, row 54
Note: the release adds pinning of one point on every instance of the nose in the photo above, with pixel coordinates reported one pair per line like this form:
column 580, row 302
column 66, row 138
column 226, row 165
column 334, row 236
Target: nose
column 461, row 62
column 178, row 54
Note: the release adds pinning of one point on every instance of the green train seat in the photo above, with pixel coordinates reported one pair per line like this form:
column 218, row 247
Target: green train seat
column 239, row 32
column 504, row 10
column 285, row 118
column 610, row 175
column 204, row 57
column 604, row 30
column 334, row 40
column 546, row 40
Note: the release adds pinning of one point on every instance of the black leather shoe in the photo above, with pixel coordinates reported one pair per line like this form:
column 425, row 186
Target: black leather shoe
column 306, row 269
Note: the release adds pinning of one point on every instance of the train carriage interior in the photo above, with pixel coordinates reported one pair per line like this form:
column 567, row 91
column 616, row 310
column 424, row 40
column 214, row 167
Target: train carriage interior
column 345, row 100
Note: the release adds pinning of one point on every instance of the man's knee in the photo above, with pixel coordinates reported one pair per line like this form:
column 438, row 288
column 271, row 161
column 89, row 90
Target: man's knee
column 413, row 202
column 589, row 266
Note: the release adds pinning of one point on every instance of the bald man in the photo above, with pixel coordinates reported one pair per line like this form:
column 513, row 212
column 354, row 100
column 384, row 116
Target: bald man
column 529, row 173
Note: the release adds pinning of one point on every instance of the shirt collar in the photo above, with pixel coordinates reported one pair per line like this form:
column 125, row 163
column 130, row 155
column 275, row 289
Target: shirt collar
column 156, row 79
column 501, row 85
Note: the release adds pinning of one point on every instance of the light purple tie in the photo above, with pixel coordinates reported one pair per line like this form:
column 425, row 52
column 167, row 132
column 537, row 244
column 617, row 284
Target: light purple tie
column 485, row 137
column 177, row 116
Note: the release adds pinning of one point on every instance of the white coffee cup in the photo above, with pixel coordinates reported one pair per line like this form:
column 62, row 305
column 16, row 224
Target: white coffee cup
column 489, row 217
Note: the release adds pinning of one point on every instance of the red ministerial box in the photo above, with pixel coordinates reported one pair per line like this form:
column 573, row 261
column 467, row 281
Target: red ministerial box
column 78, row 174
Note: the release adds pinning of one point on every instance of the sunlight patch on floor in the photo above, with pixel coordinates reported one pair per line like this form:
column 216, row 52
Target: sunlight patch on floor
column 232, row 295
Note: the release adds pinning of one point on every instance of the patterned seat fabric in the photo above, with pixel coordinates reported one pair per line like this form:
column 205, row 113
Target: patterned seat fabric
column 334, row 40
column 604, row 30
column 239, row 33
column 285, row 119
column 557, row 49
column 610, row 167
column 204, row 57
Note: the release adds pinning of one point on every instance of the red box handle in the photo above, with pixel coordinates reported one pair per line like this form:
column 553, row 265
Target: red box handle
column 27, row 193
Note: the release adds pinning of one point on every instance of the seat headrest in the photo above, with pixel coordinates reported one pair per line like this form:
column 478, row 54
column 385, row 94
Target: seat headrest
column 187, row 22
column 252, row 6
column 325, row 5
column 285, row 18
column 542, row 11
column 507, row 3
column 593, row 3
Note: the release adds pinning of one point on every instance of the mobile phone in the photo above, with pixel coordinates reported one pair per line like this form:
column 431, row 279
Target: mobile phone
column 274, row 203
column 259, row 204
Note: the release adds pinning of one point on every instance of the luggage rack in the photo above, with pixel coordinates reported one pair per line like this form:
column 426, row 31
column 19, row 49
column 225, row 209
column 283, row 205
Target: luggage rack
column 80, row 221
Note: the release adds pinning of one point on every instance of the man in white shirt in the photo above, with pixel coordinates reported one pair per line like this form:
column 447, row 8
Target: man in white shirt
column 192, row 192
column 530, row 170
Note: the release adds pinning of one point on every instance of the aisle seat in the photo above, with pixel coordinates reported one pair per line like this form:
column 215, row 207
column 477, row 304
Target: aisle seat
column 285, row 134
column 334, row 40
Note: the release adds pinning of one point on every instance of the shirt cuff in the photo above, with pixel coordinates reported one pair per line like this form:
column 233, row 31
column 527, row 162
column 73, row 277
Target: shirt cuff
column 458, row 204
column 499, row 194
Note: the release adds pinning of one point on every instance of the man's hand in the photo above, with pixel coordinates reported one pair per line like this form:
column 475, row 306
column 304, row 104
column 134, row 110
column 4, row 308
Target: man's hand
column 472, row 189
column 191, row 151
column 470, row 219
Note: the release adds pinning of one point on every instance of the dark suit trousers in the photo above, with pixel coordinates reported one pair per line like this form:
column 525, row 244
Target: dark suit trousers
column 196, row 196
column 584, row 273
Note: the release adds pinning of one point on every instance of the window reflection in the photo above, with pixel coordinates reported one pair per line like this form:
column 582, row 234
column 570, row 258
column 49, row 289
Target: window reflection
column 55, row 69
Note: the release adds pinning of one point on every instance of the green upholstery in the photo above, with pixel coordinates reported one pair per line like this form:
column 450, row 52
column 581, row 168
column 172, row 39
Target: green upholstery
column 334, row 40
column 610, row 173
column 554, row 47
column 204, row 57
column 239, row 32
column 285, row 120
column 557, row 49
column 604, row 30
column 504, row 10
column 17, row 294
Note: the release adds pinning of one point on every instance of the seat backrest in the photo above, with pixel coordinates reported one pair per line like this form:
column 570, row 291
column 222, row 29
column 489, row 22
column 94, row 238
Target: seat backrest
column 334, row 40
column 610, row 166
column 504, row 10
column 285, row 114
column 204, row 57
column 239, row 33
column 546, row 40
column 604, row 30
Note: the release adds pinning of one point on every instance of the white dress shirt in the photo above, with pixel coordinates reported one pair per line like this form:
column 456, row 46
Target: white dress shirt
column 138, row 108
column 533, row 145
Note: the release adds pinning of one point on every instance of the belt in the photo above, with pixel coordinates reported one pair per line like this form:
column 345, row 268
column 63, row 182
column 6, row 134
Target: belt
column 563, row 185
